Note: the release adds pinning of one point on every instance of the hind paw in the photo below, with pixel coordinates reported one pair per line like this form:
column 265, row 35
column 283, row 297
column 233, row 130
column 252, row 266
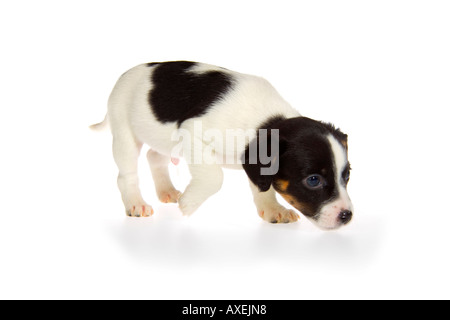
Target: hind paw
column 139, row 211
column 169, row 196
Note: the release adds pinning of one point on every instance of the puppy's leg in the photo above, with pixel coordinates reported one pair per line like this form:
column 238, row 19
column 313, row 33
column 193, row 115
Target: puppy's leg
column 206, row 180
column 126, row 152
column 268, row 207
column 164, row 188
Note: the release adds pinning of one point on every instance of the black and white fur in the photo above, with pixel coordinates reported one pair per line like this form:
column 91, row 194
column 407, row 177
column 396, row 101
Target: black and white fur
column 153, row 101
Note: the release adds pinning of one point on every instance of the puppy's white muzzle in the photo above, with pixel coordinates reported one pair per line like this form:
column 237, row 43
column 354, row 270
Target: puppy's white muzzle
column 335, row 214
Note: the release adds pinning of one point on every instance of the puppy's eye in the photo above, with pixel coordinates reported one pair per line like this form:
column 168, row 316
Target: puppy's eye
column 314, row 181
column 347, row 176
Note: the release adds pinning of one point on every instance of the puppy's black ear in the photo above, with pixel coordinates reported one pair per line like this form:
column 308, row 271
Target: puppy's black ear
column 261, row 159
column 344, row 141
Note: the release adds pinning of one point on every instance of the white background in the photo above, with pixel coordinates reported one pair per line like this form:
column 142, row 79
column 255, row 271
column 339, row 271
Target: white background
column 380, row 70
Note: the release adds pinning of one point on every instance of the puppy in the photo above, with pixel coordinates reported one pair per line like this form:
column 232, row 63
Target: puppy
column 208, row 108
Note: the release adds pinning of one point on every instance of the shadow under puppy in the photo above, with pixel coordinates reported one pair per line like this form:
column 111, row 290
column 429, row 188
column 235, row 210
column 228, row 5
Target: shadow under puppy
column 159, row 103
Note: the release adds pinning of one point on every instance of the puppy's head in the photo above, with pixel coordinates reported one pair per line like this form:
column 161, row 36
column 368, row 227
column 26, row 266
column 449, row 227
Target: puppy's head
column 313, row 171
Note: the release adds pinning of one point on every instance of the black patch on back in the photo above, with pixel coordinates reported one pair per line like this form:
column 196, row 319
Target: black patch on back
column 152, row 64
column 178, row 95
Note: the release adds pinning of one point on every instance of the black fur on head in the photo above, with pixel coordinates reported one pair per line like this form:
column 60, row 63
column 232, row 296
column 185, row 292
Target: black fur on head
column 304, row 150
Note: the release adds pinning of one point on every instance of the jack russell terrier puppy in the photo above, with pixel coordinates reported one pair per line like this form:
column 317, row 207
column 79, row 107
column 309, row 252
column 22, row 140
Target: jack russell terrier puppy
column 159, row 103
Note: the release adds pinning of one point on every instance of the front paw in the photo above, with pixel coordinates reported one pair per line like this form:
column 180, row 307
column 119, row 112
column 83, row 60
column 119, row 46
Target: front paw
column 187, row 205
column 278, row 214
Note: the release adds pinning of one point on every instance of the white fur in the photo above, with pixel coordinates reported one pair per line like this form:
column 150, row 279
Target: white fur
column 268, row 207
column 252, row 101
column 328, row 218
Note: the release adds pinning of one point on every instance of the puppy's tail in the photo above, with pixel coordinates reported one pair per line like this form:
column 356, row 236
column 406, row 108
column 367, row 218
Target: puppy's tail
column 101, row 126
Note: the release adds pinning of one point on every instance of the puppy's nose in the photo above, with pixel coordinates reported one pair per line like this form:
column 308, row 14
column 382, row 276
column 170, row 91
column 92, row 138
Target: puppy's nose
column 345, row 216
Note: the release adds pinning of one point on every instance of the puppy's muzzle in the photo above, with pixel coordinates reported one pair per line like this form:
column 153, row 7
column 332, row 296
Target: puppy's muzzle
column 345, row 216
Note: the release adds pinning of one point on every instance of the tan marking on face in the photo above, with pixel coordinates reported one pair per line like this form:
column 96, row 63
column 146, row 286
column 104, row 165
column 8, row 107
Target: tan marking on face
column 303, row 207
column 282, row 185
